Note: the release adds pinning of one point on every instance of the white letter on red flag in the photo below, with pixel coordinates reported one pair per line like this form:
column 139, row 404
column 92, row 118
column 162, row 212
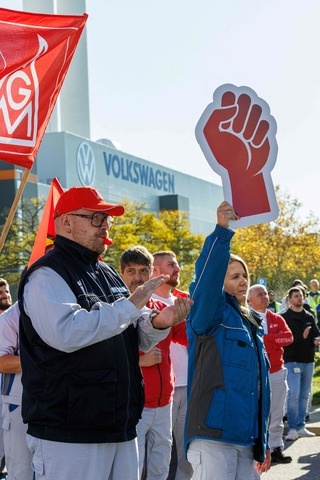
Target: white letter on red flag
column 35, row 53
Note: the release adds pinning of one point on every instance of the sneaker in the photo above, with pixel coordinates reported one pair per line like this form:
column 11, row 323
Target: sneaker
column 292, row 435
column 278, row 457
column 303, row 432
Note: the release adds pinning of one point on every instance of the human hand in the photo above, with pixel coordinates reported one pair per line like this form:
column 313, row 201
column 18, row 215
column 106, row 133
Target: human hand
column 237, row 135
column 225, row 213
column 142, row 293
column 306, row 332
column 264, row 466
column 173, row 314
column 153, row 357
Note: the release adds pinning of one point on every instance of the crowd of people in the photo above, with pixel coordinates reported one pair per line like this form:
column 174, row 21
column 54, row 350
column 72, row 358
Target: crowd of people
column 115, row 374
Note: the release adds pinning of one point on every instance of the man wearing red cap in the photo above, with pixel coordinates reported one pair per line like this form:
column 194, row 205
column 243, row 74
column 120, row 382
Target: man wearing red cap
column 79, row 339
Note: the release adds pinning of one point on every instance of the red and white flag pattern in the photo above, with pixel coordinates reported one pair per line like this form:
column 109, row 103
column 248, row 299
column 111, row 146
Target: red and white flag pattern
column 35, row 53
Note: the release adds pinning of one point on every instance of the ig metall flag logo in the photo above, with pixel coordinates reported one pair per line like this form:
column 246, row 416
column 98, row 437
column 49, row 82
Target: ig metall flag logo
column 35, row 53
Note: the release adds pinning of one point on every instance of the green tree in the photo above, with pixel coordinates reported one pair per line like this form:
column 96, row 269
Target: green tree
column 282, row 250
column 168, row 231
column 278, row 251
column 16, row 250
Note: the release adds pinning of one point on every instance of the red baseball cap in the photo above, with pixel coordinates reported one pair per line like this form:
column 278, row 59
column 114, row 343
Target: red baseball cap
column 87, row 198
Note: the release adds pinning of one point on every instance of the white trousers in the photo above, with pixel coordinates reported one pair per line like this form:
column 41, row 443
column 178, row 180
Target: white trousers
column 214, row 460
column 155, row 439
column 18, row 455
column 279, row 389
column 179, row 409
column 73, row 461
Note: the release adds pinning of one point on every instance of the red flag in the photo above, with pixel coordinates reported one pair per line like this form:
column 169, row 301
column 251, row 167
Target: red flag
column 35, row 53
column 46, row 231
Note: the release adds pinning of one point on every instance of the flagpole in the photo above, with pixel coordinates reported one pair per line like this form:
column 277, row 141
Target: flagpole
column 14, row 207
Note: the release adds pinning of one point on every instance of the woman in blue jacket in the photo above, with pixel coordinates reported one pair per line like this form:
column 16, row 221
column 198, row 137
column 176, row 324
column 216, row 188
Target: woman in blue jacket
column 228, row 379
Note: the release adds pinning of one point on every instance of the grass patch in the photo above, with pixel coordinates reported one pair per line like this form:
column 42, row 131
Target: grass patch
column 316, row 382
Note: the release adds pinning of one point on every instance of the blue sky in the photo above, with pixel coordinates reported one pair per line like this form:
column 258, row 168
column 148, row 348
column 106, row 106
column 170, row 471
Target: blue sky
column 154, row 65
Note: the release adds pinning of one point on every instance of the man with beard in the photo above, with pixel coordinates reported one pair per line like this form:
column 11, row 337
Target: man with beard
column 299, row 360
column 165, row 261
column 5, row 295
column 5, row 303
column 80, row 334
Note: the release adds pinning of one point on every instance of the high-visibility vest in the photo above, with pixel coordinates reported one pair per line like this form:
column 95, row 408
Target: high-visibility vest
column 274, row 306
column 314, row 300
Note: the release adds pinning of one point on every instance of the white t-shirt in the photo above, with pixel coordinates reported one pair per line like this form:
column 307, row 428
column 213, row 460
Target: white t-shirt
column 9, row 345
column 178, row 353
column 264, row 321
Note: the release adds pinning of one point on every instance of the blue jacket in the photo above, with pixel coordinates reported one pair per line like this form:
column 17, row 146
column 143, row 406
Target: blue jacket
column 228, row 376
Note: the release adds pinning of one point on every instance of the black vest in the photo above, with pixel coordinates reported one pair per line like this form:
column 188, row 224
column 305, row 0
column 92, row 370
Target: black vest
column 94, row 394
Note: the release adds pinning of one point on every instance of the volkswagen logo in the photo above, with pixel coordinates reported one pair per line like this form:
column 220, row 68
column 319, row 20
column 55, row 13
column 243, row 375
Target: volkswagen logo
column 86, row 166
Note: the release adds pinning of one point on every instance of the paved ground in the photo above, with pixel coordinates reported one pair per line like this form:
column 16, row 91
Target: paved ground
column 305, row 453
column 305, row 465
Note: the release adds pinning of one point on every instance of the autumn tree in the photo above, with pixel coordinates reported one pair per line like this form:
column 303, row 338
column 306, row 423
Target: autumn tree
column 279, row 251
column 282, row 250
column 16, row 250
column 170, row 230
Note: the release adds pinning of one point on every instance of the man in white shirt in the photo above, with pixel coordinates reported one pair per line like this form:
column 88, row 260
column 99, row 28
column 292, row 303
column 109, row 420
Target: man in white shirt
column 5, row 303
column 166, row 263
column 18, row 455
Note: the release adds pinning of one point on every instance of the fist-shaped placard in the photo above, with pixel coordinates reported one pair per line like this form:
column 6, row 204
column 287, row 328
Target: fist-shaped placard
column 237, row 135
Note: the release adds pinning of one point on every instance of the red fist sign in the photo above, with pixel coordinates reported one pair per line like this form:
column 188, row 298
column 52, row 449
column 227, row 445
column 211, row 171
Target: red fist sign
column 237, row 135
